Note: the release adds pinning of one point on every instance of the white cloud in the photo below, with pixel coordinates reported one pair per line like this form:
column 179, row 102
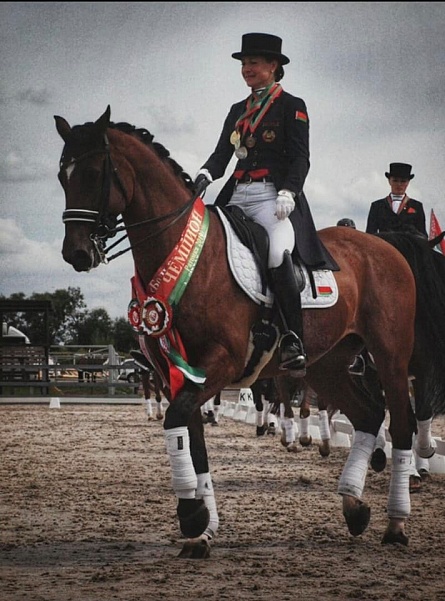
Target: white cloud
column 371, row 74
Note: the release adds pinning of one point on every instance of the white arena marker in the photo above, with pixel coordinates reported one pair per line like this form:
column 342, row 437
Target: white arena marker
column 54, row 403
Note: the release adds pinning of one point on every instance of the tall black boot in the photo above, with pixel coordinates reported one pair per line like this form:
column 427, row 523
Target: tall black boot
column 292, row 355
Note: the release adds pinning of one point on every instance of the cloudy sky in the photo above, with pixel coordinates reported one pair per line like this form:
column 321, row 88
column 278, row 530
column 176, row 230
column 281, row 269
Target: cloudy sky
column 372, row 75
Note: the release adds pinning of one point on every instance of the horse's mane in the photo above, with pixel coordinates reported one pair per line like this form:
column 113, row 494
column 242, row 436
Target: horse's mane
column 81, row 134
column 147, row 138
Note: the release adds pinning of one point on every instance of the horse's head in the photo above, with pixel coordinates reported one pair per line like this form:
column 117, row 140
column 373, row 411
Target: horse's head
column 94, row 192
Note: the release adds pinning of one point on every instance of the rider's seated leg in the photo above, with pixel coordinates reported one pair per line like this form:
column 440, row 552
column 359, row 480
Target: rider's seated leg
column 292, row 355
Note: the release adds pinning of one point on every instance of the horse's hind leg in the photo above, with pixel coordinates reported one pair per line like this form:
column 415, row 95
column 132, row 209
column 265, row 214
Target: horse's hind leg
column 305, row 415
column 158, row 386
column 401, row 428
column 325, row 432
column 284, row 388
column 333, row 384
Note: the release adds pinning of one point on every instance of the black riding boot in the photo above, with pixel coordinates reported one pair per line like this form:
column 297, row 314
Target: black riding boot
column 292, row 355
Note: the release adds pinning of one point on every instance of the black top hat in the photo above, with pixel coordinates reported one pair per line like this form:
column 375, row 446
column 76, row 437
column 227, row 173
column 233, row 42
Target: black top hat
column 401, row 170
column 261, row 44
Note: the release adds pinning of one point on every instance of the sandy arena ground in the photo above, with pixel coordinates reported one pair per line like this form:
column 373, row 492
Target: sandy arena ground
column 87, row 513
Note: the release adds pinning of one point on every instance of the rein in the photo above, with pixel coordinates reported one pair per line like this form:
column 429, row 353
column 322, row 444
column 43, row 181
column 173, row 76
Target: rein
column 107, row 226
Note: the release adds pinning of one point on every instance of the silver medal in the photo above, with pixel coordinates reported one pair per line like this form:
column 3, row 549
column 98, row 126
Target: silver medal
column 241, row 152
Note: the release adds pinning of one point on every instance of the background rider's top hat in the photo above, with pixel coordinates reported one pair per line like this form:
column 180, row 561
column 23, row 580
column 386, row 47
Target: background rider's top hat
column 402, row 170
column 261, row 44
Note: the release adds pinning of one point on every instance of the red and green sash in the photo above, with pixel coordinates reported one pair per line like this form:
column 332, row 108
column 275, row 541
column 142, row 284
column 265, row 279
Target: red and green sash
column 151, row 310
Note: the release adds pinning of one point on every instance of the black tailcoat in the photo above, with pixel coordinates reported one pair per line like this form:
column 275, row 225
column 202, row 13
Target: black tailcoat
column 381, row 217
column 281, row 146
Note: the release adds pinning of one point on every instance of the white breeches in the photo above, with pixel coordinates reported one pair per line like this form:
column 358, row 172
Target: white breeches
column 258, row 201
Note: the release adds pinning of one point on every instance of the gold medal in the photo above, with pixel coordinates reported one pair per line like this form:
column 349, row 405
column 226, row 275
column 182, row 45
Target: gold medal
column 269, row 135
column 250, row 142
column 241, row 152
column 235, row 138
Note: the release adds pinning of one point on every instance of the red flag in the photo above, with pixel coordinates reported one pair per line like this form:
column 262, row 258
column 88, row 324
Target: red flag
column 435, row 230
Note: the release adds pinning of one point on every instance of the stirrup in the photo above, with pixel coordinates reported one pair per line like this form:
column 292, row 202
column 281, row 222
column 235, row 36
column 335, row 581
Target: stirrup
column 291, row 353
column 357, row 367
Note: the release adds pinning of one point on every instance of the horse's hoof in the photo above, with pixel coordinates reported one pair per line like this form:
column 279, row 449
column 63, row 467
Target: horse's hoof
column 357, row 518
column 415, row 484
column 292, row 448
column 260, row 430
column 378, row 460
column 215, row 423
column 150, row 418
column 324, row 449
column 159, row 416
column 195, row 550
column 424, row 474
column 305, row 441
column 193, row 517
column 271, row 430
column 392, row 538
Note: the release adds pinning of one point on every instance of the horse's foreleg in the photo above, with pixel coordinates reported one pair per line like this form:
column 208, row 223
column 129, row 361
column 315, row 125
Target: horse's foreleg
column 191, row 480
column 304, row 437
column 378, row 459
column 325, row 433
column 288, row 436
column 352, row 482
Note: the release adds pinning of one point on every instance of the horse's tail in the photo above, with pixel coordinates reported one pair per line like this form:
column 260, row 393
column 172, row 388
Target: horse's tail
column 428, row 267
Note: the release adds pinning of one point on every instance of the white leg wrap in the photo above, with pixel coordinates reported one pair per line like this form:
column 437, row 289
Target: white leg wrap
column 399, row 505
column 216, row 411
column 304, row 426
column 421, row 463
column 184, row 480
column 380, row 441
column 423, row 439
column 323, row 425
column 352, row 480
column 149, row 407
column 259, row 418
column 288, row 425
column 205, row 491
column 272, row 419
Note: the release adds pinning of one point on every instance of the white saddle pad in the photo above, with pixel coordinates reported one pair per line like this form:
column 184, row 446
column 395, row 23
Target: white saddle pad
column 245, row 272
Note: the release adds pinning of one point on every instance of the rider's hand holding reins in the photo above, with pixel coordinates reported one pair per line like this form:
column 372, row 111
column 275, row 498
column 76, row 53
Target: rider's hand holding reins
column 202, row 180
column 285, row 204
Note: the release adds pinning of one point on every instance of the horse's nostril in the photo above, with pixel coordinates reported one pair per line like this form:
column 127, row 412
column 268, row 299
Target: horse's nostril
column 81, row 261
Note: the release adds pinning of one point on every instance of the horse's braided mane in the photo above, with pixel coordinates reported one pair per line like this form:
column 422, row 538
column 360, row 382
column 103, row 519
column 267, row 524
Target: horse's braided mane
column 82, row 132
column 147, row 138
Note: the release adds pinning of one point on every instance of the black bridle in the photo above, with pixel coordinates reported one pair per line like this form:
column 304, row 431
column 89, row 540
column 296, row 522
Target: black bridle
column 106, row 225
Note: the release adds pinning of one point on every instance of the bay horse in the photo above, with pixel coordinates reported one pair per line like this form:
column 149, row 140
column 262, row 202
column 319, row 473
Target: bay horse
column 197, row 322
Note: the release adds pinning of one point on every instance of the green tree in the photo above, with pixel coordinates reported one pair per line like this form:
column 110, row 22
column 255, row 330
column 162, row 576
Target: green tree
column 69, row 311
column 124, row 337
column 96, row 327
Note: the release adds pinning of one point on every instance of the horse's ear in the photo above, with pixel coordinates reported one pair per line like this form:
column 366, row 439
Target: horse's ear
column 103, row 121
column 63, row 127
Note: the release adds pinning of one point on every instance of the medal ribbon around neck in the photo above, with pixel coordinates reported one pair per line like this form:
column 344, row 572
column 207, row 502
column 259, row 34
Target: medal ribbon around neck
column 164, row 293
column 256, row 109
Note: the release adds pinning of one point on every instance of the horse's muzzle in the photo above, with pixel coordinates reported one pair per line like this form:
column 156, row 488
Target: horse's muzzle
column 81, row 260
